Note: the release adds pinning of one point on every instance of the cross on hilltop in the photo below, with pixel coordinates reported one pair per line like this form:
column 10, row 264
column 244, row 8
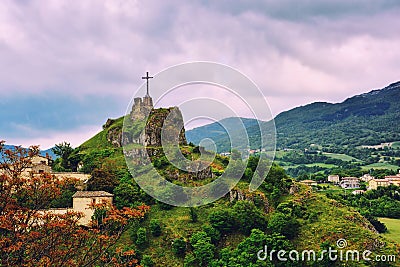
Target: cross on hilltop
column 147, row 77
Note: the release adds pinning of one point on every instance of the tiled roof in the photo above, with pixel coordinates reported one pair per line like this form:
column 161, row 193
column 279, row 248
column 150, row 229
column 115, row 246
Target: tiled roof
column 92, row 194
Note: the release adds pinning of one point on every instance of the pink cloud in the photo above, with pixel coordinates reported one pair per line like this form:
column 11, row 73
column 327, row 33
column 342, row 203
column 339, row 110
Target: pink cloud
column 335, row 50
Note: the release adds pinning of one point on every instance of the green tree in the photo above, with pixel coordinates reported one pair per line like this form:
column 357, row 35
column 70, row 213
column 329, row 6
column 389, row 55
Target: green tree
column 242, row 211
column 190, row 260
column 199, row 236
column 222, row 220
column 213, row 233
column 193, row 214
column 103, row 179
column 283, row 224
column 68, row 189
column 203, row 252
column 141, row 237
column 246, row 253
column 63, row 150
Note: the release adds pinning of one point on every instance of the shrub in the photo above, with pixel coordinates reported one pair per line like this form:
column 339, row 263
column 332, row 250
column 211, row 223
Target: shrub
column 203, row 252
column 179, row 247
column 222, row 220
column 155, row 228
column 147, row 261
column 213, row 233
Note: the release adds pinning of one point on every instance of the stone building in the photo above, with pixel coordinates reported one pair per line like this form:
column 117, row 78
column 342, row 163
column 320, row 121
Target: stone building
column 309, row 182
column 334, row 179
column 388, row 180
column 366, row 177
column 40, row 164
column 83, row 200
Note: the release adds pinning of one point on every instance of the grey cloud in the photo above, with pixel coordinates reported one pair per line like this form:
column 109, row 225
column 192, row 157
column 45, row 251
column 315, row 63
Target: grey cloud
column 304, row 9
column 295, row 51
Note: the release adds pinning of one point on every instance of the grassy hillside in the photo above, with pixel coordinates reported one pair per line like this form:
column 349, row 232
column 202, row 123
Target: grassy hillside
column 343, row 157
column 310, row 220
column 322, row 223
column 393, row 226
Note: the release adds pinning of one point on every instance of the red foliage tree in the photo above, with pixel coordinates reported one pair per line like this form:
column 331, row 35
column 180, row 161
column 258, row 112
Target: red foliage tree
column 31, row 236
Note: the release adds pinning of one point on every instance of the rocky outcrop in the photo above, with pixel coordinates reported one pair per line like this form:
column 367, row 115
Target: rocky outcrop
column 294, row 188
column 108, row 123
column 114, row 136
column 164, row 126
column 240, row 195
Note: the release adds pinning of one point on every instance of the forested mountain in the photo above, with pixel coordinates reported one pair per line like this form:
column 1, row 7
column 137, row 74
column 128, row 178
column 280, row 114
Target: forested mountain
column 365, row 119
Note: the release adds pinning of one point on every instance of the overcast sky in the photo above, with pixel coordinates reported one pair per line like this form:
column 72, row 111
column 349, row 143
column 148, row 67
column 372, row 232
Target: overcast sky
column 67, row 66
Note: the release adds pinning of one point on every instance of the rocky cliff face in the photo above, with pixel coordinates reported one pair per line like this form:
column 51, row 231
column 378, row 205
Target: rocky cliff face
column 166, row 124
column 142, row 139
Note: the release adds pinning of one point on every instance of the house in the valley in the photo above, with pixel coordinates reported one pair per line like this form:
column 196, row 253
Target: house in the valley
column 388, row 180
column 375, row 183
column 309, row 182
column 334, row 179
column 394, row 180
column 350, row 182
column 367, row 177
column 358, row 192
column 40, row 164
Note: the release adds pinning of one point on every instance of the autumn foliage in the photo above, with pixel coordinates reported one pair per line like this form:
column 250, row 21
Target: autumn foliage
column 30, row 235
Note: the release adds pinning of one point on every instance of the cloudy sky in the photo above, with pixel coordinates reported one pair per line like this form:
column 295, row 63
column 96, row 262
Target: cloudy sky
column 67, row 66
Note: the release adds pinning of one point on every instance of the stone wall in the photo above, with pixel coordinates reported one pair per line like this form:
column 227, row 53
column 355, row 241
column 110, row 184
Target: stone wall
column 83, row 177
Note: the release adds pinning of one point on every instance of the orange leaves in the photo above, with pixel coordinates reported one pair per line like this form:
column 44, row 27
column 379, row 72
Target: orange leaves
column 33, row 236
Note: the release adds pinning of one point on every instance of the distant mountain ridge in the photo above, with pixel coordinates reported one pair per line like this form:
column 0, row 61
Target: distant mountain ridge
column 42, row 152
column 365, row 119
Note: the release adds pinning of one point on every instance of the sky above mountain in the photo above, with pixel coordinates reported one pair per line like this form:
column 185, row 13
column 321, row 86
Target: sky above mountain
column 67, row 66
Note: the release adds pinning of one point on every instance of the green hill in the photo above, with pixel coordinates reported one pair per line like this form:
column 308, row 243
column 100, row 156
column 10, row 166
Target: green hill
column 288, row 215
column 366, row 119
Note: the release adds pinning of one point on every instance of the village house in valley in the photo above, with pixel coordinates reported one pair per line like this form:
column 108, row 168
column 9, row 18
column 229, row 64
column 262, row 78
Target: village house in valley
column 350, row 182
column 309, row 182
column 334, row 179
column 367, row 177
column 388, row 180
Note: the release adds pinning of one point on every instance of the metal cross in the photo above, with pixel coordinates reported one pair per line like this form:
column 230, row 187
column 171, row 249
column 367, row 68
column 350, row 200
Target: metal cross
column 147, row 81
